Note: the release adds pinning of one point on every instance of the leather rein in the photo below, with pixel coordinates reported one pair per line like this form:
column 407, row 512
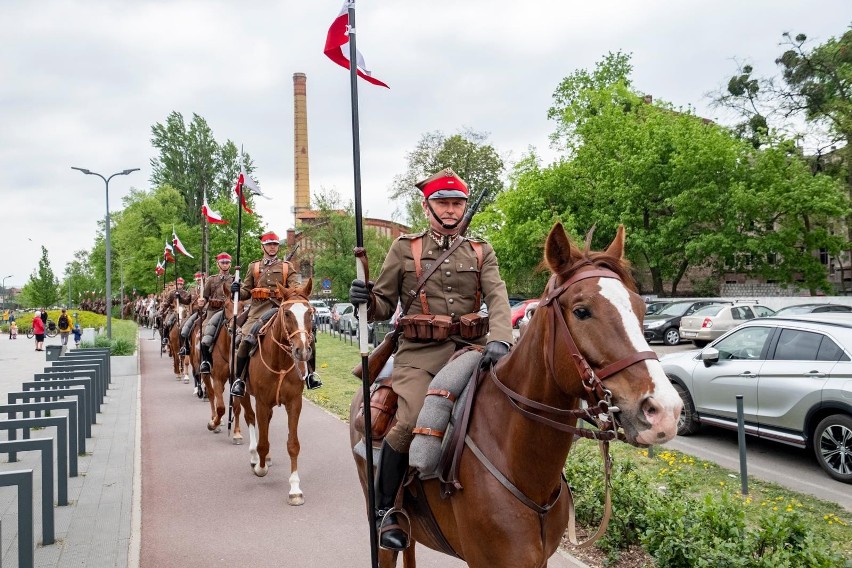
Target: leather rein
column 600, row 410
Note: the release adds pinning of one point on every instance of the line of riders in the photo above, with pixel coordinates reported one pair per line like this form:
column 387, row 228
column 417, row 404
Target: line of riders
column 206, row 301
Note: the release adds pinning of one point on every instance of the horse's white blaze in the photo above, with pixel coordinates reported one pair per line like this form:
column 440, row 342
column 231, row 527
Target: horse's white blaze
column 294, row 484
column 618, row 296
column 253, row 455
column 299, row 311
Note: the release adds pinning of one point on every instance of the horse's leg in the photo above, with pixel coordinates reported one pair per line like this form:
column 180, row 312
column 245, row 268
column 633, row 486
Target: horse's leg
column 238, row 408
column 294, row 409
column 260, row 440
column 214, row 424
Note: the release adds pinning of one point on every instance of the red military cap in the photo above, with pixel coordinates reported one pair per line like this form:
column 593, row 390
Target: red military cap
column 180, row 280
column 198, row 275
column 223, row 256
column 443, row 184
column 269, row 238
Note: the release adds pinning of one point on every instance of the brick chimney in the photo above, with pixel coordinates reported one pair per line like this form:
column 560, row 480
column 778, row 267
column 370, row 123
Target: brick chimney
column 302, row 185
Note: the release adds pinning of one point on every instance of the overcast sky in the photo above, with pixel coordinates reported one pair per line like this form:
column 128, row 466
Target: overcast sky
column 82, row 82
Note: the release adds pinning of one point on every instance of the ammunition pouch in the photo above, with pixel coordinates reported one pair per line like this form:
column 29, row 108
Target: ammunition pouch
column 216, row 304
column 428, row 327
column 264, row 294
column 473, row 326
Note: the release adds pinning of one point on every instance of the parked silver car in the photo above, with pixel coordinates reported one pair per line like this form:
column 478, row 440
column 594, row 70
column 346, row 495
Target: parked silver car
column 710, row 322
column 795, row 375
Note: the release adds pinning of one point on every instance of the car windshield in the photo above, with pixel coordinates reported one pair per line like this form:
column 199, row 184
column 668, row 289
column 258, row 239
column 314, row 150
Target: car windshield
column 319, row 304
column 675, row 309
column 708, row 311
column 793, row 310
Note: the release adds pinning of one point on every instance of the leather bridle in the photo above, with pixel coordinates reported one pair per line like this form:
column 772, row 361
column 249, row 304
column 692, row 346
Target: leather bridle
column 286, row 347
column 600, row 410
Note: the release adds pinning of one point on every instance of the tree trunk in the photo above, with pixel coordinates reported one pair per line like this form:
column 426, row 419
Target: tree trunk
column 676, row 280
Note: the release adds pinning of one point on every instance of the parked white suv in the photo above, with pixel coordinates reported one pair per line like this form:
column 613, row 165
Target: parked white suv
column 322, row 313
column 794, row 374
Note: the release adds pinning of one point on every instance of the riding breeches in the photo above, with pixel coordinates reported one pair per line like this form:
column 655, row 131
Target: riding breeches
column 410, row 384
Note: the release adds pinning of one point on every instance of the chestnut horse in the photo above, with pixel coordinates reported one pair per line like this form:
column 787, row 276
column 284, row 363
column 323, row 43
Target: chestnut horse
column 179, row 363
column 277, row 370
column 585, row 341
column 217, row 380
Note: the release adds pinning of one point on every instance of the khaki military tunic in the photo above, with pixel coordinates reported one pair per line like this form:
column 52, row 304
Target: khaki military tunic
column 451, row 290
column 269, row 276
column 215, row 294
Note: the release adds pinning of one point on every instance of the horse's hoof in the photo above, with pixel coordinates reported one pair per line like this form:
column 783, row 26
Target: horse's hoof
column 296, row 500
column 210, row 426
column 217, row 429
column 260, row 471
column 186, row 380
column 237, row 441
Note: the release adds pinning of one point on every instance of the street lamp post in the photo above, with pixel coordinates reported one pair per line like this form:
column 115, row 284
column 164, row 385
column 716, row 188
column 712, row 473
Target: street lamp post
column 4, row 290
column 108, row 256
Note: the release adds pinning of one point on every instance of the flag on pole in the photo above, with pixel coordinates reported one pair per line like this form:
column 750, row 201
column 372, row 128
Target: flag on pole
column 211, row 215
column 179, row 245
column 245, row 182
column 337, row 46
column 160, row 270
column 169, row 253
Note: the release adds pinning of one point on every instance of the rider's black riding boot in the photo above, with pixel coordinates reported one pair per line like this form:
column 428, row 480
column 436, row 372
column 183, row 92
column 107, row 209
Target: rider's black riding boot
column 238, row 387
column 165, row 340
column 184, row 346
column 205, row 359
column 391, row 472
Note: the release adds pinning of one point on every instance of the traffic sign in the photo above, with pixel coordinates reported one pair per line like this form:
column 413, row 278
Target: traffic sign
column 326, row 283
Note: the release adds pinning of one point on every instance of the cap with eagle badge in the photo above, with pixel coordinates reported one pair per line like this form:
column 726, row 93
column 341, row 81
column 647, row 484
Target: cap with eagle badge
column 269, row 238
column 443, row 184
column 223, row 256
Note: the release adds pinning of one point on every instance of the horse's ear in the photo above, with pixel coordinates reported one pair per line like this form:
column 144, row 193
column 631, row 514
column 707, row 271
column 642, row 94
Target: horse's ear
column 559, row 251
column 282, row 289
column 616, row 248
column 307, row 287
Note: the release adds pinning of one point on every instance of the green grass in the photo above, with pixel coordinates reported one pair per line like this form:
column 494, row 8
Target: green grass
column 696, row 477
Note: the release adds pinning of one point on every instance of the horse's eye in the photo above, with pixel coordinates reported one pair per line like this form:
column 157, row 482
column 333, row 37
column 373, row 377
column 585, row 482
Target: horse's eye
column 582, row 313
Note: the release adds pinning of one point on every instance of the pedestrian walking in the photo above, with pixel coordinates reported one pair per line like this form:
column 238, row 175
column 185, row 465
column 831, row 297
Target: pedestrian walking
column 64, row 327
column 78, row 333
column 13, row 330
column 38, row 331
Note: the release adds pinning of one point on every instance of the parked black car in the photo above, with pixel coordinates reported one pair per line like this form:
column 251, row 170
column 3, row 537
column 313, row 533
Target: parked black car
column 665, row 325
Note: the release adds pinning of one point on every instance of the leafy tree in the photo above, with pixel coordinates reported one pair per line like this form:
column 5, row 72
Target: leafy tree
column 191, row 161
column 816, row 84
column 332, row 239
column 470, row 156
column 688, row 191
column 79, row 276
column 41, row 289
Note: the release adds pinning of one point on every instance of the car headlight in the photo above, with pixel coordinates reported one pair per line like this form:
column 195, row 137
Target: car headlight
column 655, row 324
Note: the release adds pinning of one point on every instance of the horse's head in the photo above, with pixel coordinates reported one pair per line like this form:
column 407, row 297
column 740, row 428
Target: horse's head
column 598, row 349
column 297, row 315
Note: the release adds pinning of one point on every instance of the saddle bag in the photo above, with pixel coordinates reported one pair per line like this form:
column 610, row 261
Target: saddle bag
column 383, row 405
column 473, row 326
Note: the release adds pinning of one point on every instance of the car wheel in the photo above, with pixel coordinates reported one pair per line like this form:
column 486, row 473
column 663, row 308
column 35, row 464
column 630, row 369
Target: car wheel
column 688, row 423
column 671, row 336
column 698, row 343
column 833, row 446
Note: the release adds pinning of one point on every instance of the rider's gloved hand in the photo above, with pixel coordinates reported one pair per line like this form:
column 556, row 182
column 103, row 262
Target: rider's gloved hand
column 359, row 292
column 235, row 287
column 494, row 350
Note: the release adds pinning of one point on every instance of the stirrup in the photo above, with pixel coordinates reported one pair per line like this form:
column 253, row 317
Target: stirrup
column 383, row 517
column 182, row 352
column 238, row 388
column 312, row 381
column 165, row 341
column 204, row 367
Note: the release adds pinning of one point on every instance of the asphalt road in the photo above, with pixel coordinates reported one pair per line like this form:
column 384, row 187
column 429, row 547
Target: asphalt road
column 785, row 465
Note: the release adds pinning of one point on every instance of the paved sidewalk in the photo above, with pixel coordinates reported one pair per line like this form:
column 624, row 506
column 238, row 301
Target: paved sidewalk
column 94, row 530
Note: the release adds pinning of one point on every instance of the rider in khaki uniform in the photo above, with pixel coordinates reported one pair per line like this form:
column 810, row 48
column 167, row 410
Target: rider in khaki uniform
column 197, row 306
column 182, row 297
column 470, row 273
column 214, row 297
column 260, row 284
